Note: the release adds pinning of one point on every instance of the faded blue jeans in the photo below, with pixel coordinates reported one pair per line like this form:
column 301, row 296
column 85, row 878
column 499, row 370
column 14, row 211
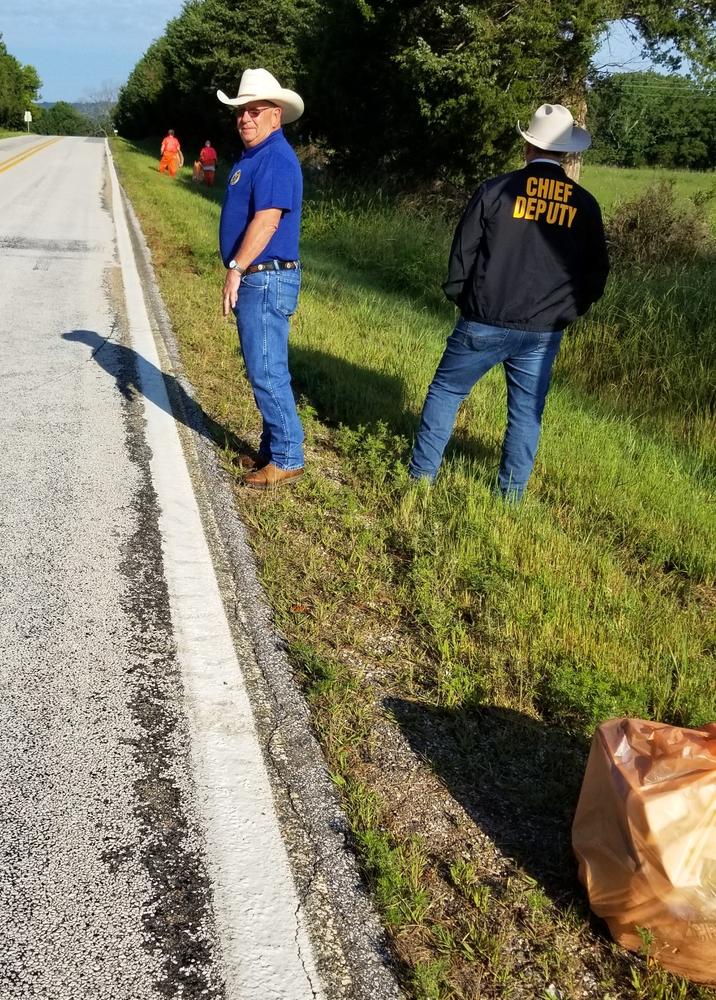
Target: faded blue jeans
column 471, row 351
column 266, row 301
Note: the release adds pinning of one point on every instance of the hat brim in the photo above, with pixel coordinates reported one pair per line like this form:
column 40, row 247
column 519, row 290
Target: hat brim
column 578, row 141
column 289, row 101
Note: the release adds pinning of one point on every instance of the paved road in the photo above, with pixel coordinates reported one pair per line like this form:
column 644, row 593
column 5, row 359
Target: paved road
column 139, row 853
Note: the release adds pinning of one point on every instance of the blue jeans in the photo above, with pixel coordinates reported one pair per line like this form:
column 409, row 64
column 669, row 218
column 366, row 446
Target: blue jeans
column 472, row 350
column 265, row 302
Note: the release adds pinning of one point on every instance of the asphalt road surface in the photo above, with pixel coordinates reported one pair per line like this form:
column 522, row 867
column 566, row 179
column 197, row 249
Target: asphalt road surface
column 140, row 856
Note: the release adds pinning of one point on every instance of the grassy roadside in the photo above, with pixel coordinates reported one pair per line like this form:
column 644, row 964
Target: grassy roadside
column 457, row 653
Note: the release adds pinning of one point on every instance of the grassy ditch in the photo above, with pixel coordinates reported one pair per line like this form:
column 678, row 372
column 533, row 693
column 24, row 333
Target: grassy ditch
column 456, row 652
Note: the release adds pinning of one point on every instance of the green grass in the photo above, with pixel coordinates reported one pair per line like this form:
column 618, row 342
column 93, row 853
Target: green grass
column 491, row 638
column 611, row 185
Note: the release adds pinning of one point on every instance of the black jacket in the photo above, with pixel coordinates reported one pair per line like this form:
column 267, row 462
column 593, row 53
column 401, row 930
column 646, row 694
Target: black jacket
column 529, row 252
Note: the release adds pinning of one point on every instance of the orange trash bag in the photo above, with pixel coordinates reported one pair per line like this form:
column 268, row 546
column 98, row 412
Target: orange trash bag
column 645, row 837
column 198, row 172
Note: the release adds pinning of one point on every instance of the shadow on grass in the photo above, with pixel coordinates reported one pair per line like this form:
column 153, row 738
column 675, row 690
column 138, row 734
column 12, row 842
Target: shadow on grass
column 343, row 392
column 347, row 393
column 214, row 193
column 124, row 365
column 402, row 289
column 343, row 286
column 516, row 777
column 356, row 396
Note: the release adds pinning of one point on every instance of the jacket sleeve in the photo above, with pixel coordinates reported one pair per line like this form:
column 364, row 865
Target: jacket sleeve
column 598, row 263
column 465, row 244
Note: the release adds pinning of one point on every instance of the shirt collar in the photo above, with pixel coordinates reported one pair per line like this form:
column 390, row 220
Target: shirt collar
column 274, row 137
column 543, row 159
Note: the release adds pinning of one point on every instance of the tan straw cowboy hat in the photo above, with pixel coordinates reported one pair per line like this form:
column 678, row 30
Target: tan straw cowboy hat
column 259, row 85
column 552, row 129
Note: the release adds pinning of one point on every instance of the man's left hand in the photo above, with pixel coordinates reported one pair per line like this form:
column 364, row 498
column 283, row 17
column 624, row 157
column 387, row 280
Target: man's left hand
column 231, row 290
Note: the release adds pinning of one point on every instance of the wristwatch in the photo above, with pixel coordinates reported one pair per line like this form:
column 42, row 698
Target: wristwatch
column 234, row 266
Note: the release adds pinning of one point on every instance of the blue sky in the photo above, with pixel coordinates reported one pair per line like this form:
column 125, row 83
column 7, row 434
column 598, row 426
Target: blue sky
column 81, row 48
column 619, row 54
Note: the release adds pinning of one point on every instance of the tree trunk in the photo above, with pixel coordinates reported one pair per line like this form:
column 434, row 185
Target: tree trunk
column 572, row 162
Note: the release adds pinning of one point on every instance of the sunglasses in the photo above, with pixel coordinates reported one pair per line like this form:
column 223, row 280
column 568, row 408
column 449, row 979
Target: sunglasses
column 253, row 113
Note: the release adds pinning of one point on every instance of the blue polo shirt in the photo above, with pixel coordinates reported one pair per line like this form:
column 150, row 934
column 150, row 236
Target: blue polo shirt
column 266, row 176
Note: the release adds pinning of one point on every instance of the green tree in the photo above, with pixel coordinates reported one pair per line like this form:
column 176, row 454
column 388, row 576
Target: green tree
column 31, row 84
column 435, row 89
column 424, row 90
column 144, row 102
column 652, row 119
column 63, row 119
column 430, row 90
column 206, row 48
column 18, row 89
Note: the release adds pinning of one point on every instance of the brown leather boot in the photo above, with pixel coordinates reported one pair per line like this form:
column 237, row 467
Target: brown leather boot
column 250, row 463
column 271, row 477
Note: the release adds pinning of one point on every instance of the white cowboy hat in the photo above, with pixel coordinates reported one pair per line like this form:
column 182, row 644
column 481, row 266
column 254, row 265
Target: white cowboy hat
column 552, row 129
column 259, row 85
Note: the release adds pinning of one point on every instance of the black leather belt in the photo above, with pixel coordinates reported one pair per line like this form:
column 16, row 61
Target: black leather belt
column 274, row 265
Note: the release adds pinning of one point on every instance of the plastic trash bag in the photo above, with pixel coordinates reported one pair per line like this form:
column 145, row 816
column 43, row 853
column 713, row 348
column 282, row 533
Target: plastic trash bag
column 645, row 837
column 197, row 173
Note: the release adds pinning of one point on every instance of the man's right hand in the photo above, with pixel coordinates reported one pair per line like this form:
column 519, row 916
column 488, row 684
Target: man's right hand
column 231, row 290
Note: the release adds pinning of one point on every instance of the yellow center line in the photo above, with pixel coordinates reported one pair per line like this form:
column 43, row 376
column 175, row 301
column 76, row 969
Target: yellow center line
column 14, row 160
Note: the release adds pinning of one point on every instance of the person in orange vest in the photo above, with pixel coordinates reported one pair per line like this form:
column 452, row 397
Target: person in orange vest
column 208, row 158
column 171, row 153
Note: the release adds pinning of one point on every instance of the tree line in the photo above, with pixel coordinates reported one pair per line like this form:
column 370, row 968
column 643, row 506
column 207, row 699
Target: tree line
column 19, row 87
column 62, row 118
column 406, row 87
column 646, row 119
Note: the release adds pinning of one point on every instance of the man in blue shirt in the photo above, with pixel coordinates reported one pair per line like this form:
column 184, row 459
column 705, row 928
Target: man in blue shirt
column 258, row 238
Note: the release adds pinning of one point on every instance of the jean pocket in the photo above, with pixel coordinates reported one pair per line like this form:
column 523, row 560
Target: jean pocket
column 478, row 337
column 257, row 279
column 289, row 285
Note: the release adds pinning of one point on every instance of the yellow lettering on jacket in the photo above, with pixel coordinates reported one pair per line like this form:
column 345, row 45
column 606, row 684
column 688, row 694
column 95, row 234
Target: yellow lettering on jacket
column 544, row 187
column 547, row 200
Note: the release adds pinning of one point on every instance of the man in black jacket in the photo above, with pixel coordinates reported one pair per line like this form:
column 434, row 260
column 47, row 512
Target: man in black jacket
column 528, row 257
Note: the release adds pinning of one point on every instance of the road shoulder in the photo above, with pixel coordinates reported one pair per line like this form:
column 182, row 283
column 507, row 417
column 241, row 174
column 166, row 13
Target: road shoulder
column 349, row 944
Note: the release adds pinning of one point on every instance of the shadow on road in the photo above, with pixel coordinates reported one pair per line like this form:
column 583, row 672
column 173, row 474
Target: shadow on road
column 123, row 364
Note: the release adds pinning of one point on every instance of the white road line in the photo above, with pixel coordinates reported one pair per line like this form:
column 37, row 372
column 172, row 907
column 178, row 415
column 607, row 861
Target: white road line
column 264, row 941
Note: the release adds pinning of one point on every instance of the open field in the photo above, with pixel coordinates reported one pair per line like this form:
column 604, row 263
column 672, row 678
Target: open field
column 610, row 185
column 457, row 652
